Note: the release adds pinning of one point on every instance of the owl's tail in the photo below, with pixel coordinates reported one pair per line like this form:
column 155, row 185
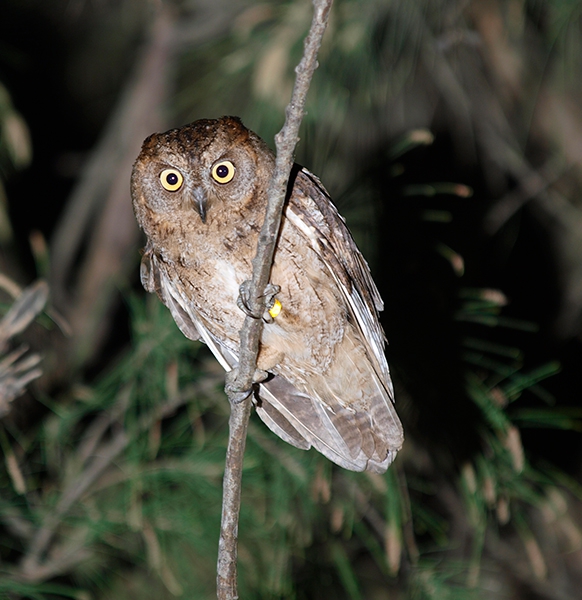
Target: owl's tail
column 347, row 413
column 309, row 423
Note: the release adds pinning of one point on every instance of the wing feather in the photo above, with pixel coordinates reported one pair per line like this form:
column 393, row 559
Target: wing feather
column 355, row 438
column 311, row 210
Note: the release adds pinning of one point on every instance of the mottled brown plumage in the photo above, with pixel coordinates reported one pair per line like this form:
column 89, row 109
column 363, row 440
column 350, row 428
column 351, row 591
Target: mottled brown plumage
column 199, row 193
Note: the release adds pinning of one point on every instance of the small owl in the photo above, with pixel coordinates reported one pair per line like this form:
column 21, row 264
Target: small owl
column 200, row 194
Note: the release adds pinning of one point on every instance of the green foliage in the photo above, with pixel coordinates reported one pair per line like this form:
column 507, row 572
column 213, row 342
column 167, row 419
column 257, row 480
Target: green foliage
column 149, row 519
column 125, row 470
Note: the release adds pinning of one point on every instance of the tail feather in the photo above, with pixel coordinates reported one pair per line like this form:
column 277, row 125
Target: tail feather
column 351, row 439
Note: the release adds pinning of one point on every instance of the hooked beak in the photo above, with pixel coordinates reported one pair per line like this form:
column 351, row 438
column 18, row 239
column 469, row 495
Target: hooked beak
column 200, row 202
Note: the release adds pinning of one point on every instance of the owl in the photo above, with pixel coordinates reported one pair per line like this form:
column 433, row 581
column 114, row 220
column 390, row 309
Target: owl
column 200, row 194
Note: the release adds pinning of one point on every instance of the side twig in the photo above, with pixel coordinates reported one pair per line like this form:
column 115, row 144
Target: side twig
column 285, row 142
column 42, row 560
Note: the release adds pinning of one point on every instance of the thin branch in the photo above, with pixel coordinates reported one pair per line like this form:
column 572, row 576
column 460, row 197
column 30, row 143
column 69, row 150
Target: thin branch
column 532, row 184
column 98, row 216
column 32, row 566
column 242, row 380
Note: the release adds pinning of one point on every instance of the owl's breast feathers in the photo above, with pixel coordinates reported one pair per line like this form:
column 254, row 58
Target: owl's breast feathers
column 331, row 387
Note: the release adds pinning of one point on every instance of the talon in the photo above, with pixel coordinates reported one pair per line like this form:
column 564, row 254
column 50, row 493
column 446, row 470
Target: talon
column 274, row 306
column 271, row 291
column 241, row 304
column 260, row 376
column 244, row 297
column 235, row 396
column 238, row 397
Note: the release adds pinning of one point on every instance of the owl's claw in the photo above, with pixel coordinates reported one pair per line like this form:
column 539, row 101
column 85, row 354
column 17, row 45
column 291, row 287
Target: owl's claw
column 243, row 300
column 237, row 396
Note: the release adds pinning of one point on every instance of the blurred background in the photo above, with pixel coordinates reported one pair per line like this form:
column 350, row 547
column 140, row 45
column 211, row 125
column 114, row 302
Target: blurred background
column 449, row 134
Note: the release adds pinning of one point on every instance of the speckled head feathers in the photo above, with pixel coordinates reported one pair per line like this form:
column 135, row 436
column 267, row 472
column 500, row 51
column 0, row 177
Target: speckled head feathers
column 209, row 166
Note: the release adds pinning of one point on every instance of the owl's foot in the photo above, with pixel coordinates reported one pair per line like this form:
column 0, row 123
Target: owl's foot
column 231, row 390
column 271, row 302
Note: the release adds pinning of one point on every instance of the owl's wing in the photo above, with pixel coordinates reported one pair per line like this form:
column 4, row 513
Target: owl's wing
column 342, row 434
column 311, row 210
column 154, row 278
column 295, row 417
column 365, row 437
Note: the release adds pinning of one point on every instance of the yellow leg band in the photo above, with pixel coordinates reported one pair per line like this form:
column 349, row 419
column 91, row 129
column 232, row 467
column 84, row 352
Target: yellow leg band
column 275, row 309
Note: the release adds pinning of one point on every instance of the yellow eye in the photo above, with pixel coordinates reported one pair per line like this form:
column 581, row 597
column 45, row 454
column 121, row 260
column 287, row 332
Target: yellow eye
column 223, row 171
column 171, row 179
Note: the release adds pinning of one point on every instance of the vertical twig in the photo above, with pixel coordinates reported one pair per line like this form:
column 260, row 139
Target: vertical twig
column 285, row 142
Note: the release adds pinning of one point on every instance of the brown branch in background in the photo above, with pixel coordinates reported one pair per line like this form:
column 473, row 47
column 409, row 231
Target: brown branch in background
column 99, row 214
column 242, row 379
column 93, row 245
column 17, row 367
column 532, row 184
column 42, row 559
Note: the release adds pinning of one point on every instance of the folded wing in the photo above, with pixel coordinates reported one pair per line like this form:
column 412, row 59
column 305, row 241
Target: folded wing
column 359, row 436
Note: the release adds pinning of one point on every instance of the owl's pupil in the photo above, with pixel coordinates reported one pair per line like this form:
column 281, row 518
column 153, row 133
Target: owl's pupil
column 222, row 171
column 172, row 179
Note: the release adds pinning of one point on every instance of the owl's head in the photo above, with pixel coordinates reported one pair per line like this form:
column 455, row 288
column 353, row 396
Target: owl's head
column 208, row 166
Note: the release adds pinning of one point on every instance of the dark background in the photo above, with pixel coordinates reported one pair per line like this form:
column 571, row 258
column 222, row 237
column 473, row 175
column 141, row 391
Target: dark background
column 448, row 135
